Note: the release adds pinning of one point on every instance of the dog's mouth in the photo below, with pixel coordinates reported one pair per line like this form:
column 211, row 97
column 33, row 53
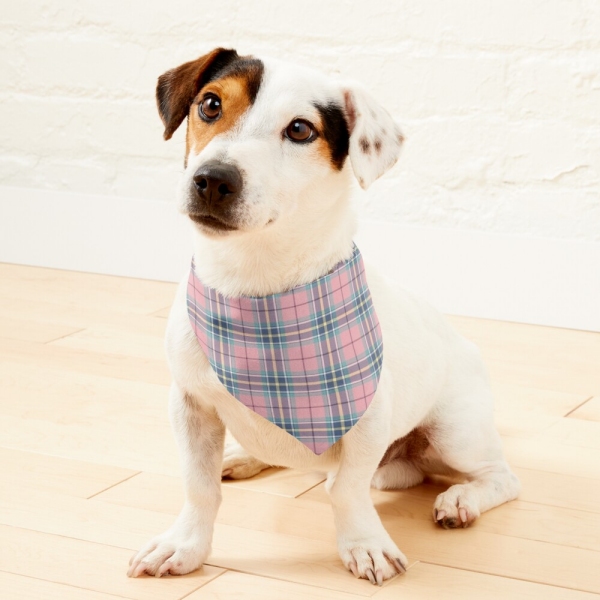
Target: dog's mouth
column 211, row 222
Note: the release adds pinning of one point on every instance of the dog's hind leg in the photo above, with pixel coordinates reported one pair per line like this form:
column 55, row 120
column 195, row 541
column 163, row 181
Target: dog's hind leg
column 400, row 466
column 468, row 442
column 398, row 474
column 238, row 464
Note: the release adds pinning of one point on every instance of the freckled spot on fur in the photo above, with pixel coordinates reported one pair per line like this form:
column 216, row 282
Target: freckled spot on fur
column 365, row 146
column 377, row 145
column 400, row 138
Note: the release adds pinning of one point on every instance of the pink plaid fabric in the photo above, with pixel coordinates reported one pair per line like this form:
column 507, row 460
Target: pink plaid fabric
column 308, row 360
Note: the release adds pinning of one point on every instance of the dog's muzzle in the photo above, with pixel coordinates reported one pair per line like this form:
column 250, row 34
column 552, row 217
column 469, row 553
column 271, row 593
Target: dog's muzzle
column 216, row 187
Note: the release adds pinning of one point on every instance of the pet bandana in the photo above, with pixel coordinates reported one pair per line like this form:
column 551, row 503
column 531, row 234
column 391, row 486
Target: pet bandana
column 308, row 360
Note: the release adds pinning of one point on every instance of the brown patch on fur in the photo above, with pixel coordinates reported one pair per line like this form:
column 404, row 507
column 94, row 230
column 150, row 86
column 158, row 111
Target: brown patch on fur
column 411, row 447
column 235, row 101
column 322, row 148
column 365, row 145
column 177, row 88
column 377, row 145
column 334, row 138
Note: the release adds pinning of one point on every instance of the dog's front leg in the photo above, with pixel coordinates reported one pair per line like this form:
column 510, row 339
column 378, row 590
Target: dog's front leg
column 184, row 547
column 365, row 546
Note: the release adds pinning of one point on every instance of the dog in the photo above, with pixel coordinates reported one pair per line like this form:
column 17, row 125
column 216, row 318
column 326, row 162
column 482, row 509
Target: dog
column 271, row 149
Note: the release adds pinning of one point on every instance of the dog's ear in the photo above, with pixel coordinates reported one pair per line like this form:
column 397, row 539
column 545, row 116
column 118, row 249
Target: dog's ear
column 177, row 88
column 375, row 138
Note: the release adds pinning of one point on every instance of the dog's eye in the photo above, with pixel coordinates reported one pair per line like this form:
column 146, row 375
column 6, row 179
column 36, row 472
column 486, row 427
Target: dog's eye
column 299, row 130
column 210, row 108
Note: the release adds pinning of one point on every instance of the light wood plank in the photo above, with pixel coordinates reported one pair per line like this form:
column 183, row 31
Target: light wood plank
column 18, row 587
column 82, row 414
column 313, row 561
column 240, row 507
column 564, row 526
column 521, row 337
column 76, row 518
column 313, row 518
column 551, row 456
column 87, row 565
column 426, row 581
column 291, row 558
column 250, row 587
column 555, row 489
column 33, row 331
column 496, row 554
column 121, row 341
column 99, row 395
column 80, row 361
column 78, row 316
column 78, row 397
column 122, row 443
column 524, row 411
column 72, row 288
column 520, row 519
column 573, row 432
column 49, row 473
column 556, row 359
column 479, row 548
column 590, row 411
column 399, row 510
column 282, row 482
column 95, row 418
column 163, row 493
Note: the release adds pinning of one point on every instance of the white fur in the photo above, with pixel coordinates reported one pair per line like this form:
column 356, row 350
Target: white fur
column 295, row 224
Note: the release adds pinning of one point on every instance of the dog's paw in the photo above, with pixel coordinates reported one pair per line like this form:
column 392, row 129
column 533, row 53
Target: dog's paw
column 170, row 554
column 372, row 559
column 238, row 464
column 456, row 507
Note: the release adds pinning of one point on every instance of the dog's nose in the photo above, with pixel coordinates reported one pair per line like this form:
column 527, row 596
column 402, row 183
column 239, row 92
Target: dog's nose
column 218, row 183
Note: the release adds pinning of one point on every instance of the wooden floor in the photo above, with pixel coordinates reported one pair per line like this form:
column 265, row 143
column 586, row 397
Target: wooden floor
column 89, row 470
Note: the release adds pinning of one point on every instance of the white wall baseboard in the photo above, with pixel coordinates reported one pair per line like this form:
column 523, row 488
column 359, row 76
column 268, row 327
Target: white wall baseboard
column 542, row 281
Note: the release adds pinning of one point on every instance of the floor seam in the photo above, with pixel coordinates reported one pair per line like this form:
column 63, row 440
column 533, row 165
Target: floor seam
column 544, row 583
column 62, row 337
column 113, row 485
column 77, row 587
column 207, row 583
column 578, row 406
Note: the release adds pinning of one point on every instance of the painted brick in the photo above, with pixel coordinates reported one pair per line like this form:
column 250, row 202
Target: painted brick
column 499, row 100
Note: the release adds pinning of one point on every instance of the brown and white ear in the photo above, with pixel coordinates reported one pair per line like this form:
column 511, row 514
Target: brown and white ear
column 375, row 138
column 177, row 88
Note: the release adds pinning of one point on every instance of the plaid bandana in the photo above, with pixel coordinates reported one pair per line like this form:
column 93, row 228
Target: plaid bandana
column 308, row 360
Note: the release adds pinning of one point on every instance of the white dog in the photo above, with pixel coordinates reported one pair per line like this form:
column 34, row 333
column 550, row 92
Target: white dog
column 266, row 187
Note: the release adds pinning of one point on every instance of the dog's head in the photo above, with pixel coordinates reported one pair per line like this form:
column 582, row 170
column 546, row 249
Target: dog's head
column 265, row 138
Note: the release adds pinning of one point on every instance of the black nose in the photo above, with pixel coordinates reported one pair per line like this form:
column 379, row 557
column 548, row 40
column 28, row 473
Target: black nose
column 217, row 183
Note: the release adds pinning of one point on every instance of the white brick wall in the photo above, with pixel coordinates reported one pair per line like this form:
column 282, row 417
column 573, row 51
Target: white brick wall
column 500, row 99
